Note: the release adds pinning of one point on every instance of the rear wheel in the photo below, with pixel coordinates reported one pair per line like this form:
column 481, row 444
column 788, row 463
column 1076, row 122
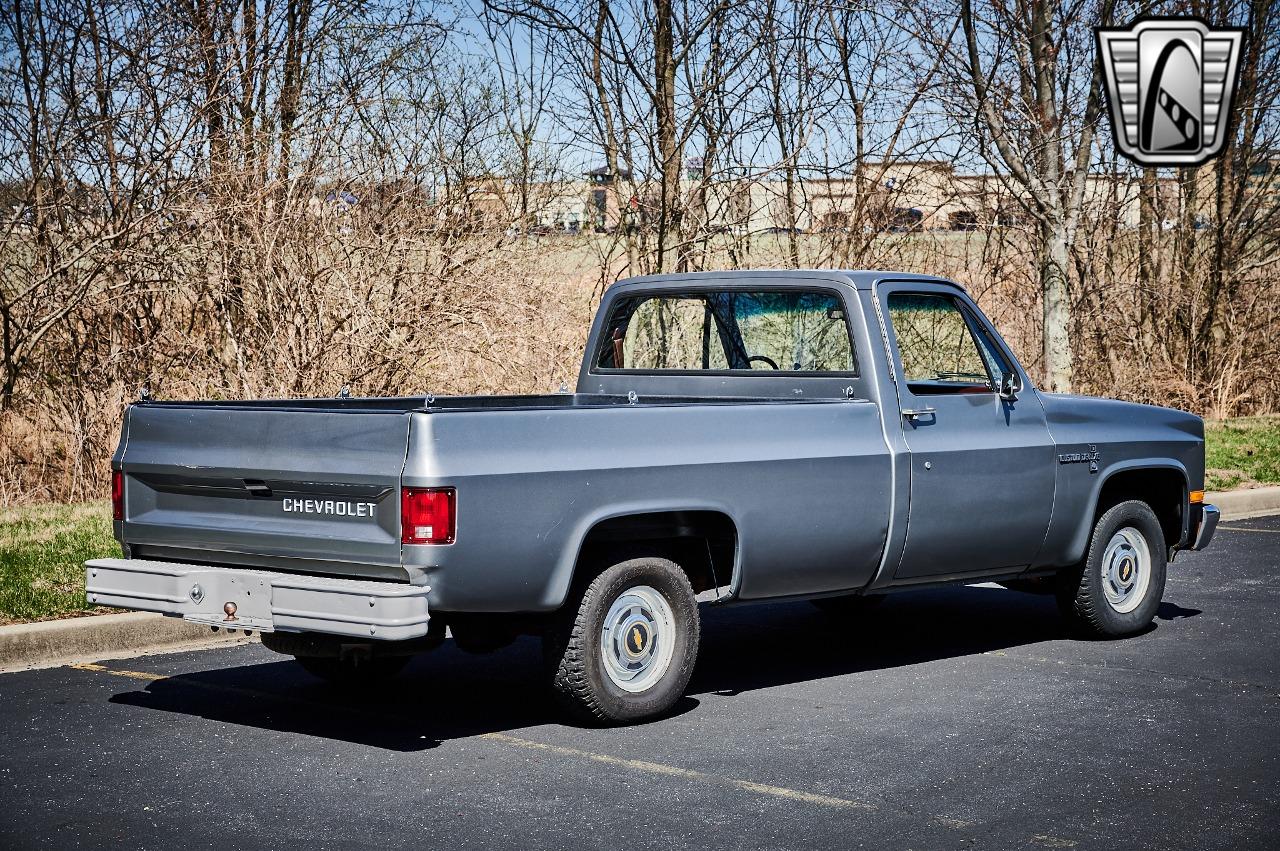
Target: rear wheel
column 626, row 651
column 1117, row 589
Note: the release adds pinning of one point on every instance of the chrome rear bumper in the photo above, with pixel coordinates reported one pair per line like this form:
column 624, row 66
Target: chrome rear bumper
column 261, row 600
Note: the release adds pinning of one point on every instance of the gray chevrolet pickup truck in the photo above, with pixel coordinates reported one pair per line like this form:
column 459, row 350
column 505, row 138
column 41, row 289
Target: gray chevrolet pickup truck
column 735, row 437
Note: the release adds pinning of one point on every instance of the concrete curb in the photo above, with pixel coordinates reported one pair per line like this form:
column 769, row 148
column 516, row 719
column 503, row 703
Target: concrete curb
column 1243, row 504
column 50, row 643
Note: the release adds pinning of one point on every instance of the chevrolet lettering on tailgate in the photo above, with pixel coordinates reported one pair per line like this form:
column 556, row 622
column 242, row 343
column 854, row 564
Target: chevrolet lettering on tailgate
column 329, row 506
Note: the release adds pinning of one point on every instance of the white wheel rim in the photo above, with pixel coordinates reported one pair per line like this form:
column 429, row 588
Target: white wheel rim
column 1126, row 570
column 637, row 639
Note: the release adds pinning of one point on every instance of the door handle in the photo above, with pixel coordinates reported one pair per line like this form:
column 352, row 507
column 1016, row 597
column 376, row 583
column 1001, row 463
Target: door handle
column 917, row 413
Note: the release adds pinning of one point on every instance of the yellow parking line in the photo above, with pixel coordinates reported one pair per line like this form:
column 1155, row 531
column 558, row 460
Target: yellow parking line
column 686, row 773
column 134, row 675
column 560, row 750
column 1238, row 529
column 219, row 687
column 634, row 764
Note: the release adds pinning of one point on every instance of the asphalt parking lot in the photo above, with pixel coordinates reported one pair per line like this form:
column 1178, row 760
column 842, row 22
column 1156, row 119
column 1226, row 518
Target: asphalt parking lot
column 962, row 718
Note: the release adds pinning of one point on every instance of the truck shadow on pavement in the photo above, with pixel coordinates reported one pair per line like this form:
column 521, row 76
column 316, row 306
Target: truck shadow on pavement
column 449, row 694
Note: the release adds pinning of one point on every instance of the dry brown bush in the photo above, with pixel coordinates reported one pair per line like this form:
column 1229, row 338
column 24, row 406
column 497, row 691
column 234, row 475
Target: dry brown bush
column 391, row 307
column 172, row 207
column 327, row 305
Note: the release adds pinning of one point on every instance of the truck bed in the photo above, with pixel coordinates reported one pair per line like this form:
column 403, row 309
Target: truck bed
column 314, row 486
column 444, row 404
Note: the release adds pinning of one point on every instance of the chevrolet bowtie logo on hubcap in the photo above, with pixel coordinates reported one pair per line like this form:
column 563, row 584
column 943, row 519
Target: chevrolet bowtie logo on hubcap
column 637, row 639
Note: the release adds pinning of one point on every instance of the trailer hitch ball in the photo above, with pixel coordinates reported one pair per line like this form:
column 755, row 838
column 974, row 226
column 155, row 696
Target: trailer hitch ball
column 230, row 609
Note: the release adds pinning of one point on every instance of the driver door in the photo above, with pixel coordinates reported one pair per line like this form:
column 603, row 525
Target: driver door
column 982, row 467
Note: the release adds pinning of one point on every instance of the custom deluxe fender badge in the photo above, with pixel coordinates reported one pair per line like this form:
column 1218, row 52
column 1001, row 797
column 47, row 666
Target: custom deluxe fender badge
column 1092, row 457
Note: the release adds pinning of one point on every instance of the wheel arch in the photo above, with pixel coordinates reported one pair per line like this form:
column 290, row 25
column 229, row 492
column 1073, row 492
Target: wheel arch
column 702, row 538
column 1162, row 483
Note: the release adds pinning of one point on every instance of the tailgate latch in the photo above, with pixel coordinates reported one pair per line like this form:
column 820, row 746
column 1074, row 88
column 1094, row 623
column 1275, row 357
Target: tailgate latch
column 257, row 488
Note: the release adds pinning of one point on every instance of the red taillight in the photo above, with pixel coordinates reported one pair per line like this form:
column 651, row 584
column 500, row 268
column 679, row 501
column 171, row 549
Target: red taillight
column 117, row 495
column 427, row 515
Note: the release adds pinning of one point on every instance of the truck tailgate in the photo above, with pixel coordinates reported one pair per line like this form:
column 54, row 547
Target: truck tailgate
column 290, row 488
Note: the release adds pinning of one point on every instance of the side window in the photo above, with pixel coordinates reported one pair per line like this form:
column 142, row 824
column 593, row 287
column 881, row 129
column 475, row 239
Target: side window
column 991, row 355
column 939, row 350
column 729, row 330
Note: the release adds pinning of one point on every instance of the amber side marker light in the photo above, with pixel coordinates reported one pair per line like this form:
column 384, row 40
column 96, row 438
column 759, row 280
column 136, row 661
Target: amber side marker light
column 1197, row 497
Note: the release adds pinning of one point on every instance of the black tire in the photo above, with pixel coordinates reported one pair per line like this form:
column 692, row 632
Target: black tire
column 848, row 605
column 576, row 660
column 353, row 672
column 1082, row 591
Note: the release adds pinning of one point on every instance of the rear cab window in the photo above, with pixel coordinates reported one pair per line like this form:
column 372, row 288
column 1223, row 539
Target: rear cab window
column 728, row 331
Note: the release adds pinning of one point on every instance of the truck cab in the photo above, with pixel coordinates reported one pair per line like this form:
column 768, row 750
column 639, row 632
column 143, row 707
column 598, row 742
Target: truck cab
column 991, row 475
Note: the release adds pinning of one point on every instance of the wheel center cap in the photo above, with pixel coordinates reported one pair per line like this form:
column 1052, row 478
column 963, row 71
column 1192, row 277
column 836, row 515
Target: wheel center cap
column 637, row 638
column 1126, row 570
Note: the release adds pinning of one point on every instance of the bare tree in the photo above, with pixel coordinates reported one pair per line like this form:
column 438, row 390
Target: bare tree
column 1024, row 71
column 635, row 93
column 278, row 197
column 527, row 73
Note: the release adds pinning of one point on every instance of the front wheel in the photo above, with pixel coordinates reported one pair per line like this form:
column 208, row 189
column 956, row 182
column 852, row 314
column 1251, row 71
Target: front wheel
column 1117, row 589
column 627, row 650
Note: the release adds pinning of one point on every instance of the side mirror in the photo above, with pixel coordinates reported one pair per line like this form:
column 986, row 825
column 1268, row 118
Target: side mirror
column 1008, row 386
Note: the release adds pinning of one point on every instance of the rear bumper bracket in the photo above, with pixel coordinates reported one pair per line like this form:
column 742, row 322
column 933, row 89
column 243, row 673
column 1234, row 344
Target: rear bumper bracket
column 261, row 600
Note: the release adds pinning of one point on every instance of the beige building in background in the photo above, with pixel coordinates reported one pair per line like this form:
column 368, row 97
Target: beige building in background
column 898, row 195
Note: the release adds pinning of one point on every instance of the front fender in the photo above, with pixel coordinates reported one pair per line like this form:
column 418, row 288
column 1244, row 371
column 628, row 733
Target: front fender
column 1079, row 539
